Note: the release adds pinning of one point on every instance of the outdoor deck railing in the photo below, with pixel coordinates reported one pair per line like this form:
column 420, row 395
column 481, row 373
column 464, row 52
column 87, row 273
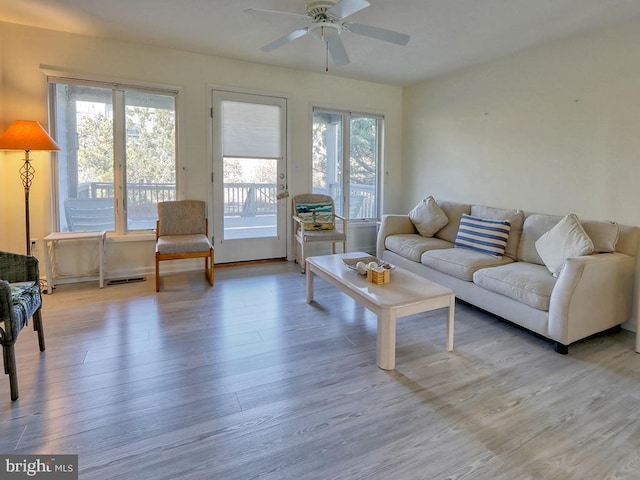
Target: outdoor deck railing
column 240, row 199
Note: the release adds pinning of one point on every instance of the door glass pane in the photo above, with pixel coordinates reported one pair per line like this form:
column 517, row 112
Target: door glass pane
column 84, row 132
column 249, row 197
column 327, row 156
column 363, row 164
column 251, row 151
column 150, row 121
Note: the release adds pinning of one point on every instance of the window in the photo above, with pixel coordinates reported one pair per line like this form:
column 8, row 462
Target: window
column 117, row 155
column 346, row 158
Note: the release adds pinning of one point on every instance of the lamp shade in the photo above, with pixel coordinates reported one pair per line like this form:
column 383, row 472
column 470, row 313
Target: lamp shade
column 27, row 135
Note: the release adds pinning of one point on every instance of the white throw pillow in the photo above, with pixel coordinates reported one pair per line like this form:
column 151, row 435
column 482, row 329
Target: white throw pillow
column 566, row 240
column 428, row 217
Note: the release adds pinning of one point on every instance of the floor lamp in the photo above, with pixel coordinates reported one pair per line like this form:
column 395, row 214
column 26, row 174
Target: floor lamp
column 27, row 135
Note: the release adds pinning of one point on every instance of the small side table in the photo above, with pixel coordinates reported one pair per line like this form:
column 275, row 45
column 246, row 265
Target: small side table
column 53, row 238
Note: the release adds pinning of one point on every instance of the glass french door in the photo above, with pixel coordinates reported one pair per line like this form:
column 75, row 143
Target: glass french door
column 249, row 176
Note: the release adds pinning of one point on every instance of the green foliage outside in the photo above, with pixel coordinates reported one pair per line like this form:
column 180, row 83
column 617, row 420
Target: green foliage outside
column 150, row 148
column 362, row 155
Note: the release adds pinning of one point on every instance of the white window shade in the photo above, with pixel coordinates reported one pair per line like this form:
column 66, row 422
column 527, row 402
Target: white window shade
column 250, row 130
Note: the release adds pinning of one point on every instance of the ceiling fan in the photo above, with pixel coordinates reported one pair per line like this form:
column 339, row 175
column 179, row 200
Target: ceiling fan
column 327, row 18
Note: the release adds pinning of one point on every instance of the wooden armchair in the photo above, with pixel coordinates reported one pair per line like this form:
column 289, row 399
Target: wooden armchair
column 19, row 300
column 314, row 220
column 181, row 232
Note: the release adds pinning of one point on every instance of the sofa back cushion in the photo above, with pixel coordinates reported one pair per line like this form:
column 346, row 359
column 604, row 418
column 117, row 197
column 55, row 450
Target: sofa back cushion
column 454, row 212
column 515, row 219
column 628, row 240
column 535, row 225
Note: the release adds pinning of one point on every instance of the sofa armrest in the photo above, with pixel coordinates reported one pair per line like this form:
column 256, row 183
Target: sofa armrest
column 392, row 225
column 593, row 293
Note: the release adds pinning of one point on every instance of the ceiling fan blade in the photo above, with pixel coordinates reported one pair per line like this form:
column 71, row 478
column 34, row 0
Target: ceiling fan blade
column 337, row 51
column 279, row 14
column 345, row 8
column 378, row 33
column 286, row 39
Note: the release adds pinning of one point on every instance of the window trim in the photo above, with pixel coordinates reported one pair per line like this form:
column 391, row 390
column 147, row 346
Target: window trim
column 54, row 76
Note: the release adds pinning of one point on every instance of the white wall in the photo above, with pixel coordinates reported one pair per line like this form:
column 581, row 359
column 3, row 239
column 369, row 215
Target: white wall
column 554, row 129
column 23, row 95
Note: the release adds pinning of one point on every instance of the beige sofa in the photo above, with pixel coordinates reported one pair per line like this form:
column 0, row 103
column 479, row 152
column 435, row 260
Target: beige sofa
column 592, row 293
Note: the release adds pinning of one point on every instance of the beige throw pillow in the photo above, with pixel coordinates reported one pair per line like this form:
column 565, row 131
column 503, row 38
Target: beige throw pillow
column 566, row 240
column 604, row 235
column 428, row 217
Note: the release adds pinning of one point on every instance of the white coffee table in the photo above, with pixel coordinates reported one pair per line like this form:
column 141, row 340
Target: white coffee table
column 406, row 294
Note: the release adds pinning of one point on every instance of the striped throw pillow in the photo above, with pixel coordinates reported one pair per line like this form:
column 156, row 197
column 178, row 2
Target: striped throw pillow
column 484, row 235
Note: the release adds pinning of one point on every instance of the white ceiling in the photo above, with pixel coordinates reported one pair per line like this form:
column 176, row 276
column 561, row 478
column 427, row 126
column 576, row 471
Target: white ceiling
column 446, row 35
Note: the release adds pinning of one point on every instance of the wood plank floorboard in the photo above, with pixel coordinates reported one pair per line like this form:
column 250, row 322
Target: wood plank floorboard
column 245, row 380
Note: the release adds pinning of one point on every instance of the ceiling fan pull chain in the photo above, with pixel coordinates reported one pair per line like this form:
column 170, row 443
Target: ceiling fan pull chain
column 326, row 57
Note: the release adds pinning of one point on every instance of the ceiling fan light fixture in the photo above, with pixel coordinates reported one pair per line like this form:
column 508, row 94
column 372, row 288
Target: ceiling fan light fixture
column 326, row 31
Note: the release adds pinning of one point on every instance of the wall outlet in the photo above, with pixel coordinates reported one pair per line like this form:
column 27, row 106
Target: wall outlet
column 34, row 245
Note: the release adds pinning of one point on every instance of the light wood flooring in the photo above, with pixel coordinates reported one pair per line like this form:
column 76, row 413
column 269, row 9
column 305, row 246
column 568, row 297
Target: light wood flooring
column 244, row 380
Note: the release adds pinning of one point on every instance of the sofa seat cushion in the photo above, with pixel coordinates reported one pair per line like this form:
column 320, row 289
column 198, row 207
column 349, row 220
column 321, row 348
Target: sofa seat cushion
column 412, row 245
column 461, row 263
column 527, row 283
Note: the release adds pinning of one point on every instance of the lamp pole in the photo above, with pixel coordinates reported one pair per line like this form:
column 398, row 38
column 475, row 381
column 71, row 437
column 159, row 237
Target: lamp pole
column 27, row 172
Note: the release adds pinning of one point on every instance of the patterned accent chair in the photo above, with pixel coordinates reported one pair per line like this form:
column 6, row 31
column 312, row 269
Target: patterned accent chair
column 181, row 232
column 19, row 300
column 314, row 220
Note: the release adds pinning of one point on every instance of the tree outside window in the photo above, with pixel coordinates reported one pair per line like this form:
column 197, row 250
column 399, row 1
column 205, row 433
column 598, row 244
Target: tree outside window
column 333, row 172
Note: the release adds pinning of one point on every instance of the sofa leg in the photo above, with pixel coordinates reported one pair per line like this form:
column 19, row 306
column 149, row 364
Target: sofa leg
column 561, row 348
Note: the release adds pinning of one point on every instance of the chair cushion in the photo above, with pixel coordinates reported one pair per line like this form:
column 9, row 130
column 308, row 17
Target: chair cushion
column 525, row 282
column 26, row 299
column 483, row 235
column 316, row 216
column 182, row 244
column 428, row 217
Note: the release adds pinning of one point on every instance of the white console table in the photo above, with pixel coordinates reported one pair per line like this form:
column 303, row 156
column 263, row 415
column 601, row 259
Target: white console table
column 49, row 251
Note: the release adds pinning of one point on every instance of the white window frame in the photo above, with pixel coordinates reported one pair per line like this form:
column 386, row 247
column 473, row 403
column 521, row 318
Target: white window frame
column 347, row 115
column 116, row 85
